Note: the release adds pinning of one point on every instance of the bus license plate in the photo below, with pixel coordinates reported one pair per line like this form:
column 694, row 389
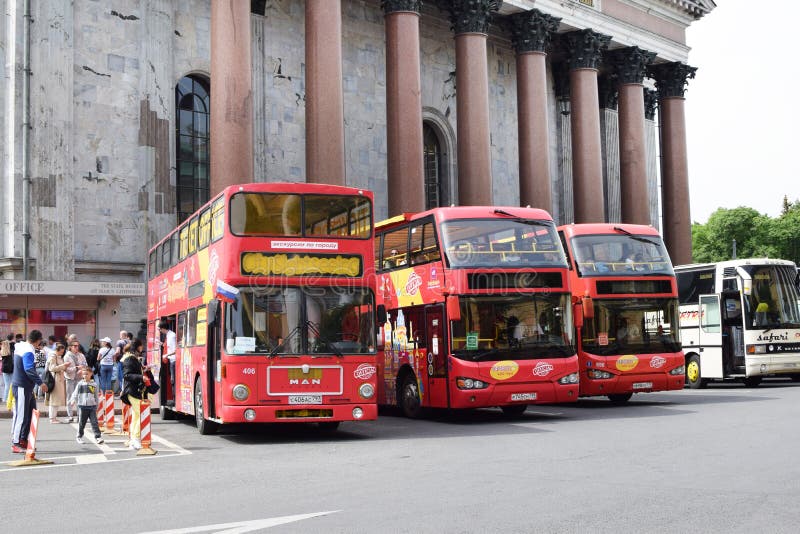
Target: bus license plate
column 305, row 399
column 523, row 396
column 642, row 385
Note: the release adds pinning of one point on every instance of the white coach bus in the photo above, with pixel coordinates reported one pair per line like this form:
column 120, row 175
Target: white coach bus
column 740, row 320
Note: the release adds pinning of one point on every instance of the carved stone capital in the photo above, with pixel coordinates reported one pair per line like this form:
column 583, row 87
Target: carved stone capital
column 532, row 31
column 650, row 104
column 472, row 16
column 629, row 64
column 394, row 6
column 671, row 78
column 608, row 94
column 585, row 48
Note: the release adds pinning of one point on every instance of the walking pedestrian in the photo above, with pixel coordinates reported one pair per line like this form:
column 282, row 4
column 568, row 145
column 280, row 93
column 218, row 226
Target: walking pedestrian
column 86, row 397
column 58, row 397
column 76, row 361
column 119, row 352
column 7, row 367
column 106, row 364
column 91, row 355
column 134, row 390
column 24, row 379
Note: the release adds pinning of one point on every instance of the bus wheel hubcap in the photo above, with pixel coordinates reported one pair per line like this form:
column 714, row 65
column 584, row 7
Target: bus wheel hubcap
column 693, row 371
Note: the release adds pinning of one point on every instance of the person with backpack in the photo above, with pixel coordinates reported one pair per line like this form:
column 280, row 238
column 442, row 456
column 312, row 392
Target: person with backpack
column 24, row 379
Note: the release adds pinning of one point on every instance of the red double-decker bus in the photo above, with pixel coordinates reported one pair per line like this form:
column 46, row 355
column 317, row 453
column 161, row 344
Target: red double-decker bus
column 626, row 310
column 477, row 310
column 266, row 290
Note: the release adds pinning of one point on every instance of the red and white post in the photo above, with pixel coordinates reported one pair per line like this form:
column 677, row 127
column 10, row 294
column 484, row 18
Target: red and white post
column 144, row 423
column 109, row 411
column 30, row 453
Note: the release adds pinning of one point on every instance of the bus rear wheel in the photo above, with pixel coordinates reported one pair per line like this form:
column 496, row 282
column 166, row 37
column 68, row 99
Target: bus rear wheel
column 409, row 399
column 693, row 378
column 752, row 381
column 514, row 410
column 204, row 426
column 620, row 398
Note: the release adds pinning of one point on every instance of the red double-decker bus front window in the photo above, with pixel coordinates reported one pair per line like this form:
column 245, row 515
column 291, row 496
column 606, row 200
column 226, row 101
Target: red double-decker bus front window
column 297, row 320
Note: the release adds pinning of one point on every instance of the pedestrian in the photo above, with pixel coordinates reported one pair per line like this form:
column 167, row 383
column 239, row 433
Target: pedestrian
column 7, row 367
column 134, row 390
column 119, row 352
column 58, row 397
column 91, row 355
column 23, row 381
column 40, row 360
column 86, row 396
column 76, row 361
column 168, row 347
column 106, row 364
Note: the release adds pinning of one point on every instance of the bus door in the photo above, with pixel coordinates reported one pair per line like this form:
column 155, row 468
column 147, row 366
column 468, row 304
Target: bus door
column 436, row 368
column 212, row 380
column 710, row 337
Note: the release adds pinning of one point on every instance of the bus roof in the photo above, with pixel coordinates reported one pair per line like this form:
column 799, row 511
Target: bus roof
column 607, row 228
column 734, row 263
column 467, row 212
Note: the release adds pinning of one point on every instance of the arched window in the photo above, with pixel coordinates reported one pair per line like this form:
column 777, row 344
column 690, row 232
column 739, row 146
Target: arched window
column 192, row 106
column 432, row 159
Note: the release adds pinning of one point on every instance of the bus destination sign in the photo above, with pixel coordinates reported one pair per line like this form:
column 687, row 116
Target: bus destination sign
column 270, row 264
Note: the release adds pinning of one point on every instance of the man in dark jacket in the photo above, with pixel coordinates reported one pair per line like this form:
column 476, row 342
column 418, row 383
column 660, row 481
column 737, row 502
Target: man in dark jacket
column 23, row 380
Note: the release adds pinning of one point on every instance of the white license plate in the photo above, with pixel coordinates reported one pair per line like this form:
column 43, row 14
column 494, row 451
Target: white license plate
column 642, row 385
column 305, row 399
column 523, row 396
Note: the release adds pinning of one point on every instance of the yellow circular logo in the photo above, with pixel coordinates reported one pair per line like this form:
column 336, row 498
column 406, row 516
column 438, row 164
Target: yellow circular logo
column 627, row 363
column 504, row 370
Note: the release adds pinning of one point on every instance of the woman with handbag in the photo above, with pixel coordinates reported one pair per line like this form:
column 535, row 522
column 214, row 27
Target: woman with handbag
column 134, row 390
column 7, row 368
column 57, row 397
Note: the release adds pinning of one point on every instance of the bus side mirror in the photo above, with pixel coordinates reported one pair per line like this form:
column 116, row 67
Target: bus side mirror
column 212, row 312
column 453, row 308
column 588, row 307
column 577, row 316
column 381, row 314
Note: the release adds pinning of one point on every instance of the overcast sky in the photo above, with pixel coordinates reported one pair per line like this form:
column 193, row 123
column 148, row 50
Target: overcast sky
column 742, row 108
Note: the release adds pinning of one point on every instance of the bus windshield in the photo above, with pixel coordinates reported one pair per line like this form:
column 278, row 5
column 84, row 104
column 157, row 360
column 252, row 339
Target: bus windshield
column 512, row 243
column 522, row 327
column 774, row 300
column 292, row 215
column 632, row 326
column 294, row 321
column 611, row 255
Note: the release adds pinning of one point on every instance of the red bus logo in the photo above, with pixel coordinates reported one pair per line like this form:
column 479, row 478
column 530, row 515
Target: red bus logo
column 657, row 362
column 414, row 281
column 542, row 369
column 364, row 371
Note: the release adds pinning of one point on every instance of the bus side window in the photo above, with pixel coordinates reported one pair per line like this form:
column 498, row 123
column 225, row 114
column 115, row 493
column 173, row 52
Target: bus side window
column 191, row 327
column 180, row 329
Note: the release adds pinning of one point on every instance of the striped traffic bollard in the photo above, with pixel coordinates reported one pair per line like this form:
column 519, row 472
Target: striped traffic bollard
column 30, row 454
column 126, row 418
column 101, row 410
column 109, row 412
column 144, row 424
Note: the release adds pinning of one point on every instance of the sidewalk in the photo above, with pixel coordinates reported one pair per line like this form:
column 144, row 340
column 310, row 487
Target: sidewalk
column 62, row 412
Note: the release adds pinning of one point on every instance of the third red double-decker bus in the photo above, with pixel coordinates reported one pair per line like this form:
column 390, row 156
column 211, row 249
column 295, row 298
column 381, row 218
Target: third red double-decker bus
column 626, row 310
column 477, row 310
column 265, row 289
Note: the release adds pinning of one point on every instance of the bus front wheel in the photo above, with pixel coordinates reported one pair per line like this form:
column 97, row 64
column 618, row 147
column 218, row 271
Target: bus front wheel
column 620, row 398
column 410, row 402
column 752, row 381
column 204, row 426
column 693, row 378
column 167, row 414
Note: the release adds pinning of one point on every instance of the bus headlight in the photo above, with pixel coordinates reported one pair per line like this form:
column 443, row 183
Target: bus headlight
column 756, row 349
column 366, row 391
column 569, row 379
column 241, row 392
column 679, row 370
column 596, row 373
column 470, row 383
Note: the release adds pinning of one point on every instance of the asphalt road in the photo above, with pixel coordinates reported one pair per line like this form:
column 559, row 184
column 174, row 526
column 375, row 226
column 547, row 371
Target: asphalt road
column 722, row 459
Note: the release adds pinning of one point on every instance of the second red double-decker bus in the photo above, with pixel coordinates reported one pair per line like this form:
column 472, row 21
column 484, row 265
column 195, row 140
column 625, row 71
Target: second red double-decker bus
column 477, row 310
column 626, row 310
column 266, row 291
